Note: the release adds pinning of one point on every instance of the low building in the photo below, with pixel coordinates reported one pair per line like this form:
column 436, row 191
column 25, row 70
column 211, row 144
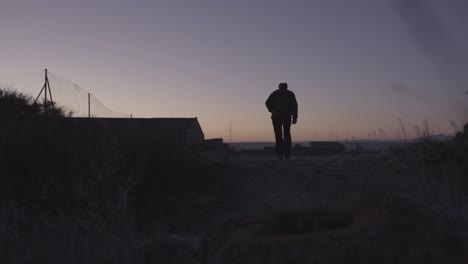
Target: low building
column 186, row 131
column 327, row 147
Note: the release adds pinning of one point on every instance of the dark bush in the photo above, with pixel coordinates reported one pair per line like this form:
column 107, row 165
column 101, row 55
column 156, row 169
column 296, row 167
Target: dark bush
column 53, row 169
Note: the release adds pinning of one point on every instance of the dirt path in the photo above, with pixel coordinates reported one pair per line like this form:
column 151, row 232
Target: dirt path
column 327, row 209
column 263, row 183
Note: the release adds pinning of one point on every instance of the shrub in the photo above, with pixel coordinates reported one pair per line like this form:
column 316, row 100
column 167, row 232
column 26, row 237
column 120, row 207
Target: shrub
column 56, row 174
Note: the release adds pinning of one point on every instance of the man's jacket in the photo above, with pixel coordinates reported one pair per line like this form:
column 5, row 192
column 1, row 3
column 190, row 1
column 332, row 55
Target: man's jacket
column 282, row 104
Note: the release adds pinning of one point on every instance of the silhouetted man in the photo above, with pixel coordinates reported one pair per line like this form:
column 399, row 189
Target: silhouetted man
column 282, row 105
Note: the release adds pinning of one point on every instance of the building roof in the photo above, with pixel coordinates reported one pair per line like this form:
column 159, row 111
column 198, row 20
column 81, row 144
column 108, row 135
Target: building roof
column 169, row 127
column 160, row 121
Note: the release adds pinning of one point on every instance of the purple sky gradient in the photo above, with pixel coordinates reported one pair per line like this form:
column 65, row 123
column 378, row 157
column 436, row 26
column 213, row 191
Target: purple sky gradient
column 355, row 66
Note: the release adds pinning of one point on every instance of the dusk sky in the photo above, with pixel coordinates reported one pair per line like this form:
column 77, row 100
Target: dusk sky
column 356, row 66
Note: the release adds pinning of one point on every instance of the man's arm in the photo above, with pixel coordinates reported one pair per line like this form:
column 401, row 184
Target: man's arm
column 294, row 106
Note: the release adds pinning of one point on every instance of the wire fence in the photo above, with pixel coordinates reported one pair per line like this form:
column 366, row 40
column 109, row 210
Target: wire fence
column 64, row 93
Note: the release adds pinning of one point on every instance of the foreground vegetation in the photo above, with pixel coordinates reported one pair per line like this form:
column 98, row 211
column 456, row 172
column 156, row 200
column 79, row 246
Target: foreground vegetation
column 74, row 193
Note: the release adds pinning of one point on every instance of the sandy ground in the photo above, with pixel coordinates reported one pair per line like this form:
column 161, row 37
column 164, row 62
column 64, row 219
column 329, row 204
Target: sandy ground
column 325, row 209
column 265, row 183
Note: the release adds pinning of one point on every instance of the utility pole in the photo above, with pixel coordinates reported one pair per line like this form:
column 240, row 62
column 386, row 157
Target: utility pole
column 230, row 133
column 44, row 89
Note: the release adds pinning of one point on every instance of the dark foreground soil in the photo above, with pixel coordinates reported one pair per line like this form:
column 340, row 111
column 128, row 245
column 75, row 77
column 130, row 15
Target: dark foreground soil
column 349, row 208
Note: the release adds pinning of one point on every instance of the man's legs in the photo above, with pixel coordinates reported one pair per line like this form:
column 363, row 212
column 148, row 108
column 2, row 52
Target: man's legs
column 287, row 137
column 277, row 126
